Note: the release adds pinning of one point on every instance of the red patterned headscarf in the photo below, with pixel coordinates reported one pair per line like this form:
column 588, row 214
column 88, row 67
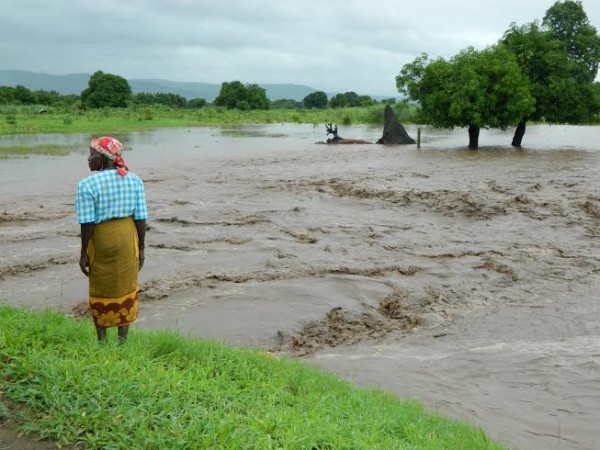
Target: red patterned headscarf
column 113, row 150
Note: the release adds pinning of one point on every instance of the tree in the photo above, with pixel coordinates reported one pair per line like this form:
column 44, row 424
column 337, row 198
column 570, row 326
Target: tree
column 349, row 100
column 338, row 101
column 196, row 103
column 317, row 100
column 7, row 95
column 473, row 89
column 242, row 105
column 106, row 90
column 257, row 97
column 23, row 95
column 170, row 99
column 44, row 97
column 365, row 100
column 161, row 98
column 143, row 98
column 560, row 59
column 568, row 23
column 286, row 103
column 230, row 93
column 234, row 93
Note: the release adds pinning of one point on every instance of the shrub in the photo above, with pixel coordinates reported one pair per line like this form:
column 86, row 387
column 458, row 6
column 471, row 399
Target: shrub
column 242, row 105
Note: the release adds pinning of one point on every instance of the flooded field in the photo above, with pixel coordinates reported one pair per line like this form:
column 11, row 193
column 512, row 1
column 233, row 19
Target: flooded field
column 466, row 279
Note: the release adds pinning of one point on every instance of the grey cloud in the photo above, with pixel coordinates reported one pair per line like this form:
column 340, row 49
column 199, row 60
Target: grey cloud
column 339, row 45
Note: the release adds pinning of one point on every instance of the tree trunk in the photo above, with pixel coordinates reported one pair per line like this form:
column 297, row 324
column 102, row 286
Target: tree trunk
column 473, row 137
column 519, row 133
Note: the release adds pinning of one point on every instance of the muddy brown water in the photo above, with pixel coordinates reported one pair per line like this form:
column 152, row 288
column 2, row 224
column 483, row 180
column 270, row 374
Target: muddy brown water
column 466, row 279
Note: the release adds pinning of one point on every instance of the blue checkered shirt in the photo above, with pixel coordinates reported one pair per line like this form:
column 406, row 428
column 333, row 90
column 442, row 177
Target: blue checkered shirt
column 107, row 195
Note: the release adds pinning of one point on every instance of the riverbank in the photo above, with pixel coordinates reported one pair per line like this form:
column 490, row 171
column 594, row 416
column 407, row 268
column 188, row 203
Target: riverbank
column 164, row 391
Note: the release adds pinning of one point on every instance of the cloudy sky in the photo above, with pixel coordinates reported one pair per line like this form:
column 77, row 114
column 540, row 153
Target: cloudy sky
column 330, row 45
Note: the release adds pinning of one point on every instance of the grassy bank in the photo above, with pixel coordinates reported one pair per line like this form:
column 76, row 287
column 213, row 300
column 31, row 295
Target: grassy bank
column 29, row 119
column 164, row 391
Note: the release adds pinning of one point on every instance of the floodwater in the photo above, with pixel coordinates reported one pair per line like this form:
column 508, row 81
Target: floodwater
column 466, row 279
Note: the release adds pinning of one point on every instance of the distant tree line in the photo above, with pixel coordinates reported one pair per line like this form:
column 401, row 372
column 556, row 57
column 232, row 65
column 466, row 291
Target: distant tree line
column 20, row 95
column 535, row 72
column 104, row 90
column 114, row 91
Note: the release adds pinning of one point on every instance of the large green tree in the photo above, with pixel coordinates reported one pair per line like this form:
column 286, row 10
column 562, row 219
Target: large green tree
column 257, row 97
column 345, row 100
column 231, row 92
column 569, row 24
column 234, row 94
column 106, row 90
column 560, row 59
column 316, row 100
column 474, row 89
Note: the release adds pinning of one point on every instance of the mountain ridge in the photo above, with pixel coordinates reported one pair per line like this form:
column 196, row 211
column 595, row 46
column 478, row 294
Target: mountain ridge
column 76, row 82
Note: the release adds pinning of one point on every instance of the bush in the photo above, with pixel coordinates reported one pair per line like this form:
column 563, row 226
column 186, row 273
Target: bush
column 242, row 105
column 148, row 114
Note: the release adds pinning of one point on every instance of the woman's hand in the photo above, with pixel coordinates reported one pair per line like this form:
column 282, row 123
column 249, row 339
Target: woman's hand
column 142, row 258
column 84, row 264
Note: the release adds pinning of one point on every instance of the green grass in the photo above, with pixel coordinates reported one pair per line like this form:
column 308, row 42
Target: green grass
column 27, row 150
column 27, row 120
column 163, row 391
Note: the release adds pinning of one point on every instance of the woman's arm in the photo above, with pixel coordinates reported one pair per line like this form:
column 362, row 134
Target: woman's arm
column 86, row 235
column 140, row 226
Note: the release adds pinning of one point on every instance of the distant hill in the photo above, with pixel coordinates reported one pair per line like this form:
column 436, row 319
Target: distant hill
column 75, row 83
column 64, row 84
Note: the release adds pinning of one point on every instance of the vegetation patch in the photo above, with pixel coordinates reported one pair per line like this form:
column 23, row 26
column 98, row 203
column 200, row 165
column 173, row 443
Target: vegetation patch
column 162, row 390
column 24, row 119
column 28, row 150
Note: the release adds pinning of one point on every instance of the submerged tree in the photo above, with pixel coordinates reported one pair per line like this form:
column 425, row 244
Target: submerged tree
column 560, row 58
column 474, row 89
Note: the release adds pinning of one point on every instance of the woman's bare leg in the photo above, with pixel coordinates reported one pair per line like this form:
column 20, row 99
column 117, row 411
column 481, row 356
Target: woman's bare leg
column 101, row 331
column 123, row 333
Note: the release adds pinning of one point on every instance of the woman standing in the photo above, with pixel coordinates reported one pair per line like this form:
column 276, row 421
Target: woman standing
column 111, row 209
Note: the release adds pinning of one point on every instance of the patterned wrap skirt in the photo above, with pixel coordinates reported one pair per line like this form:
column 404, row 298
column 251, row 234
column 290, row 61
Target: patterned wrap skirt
column 114, row 265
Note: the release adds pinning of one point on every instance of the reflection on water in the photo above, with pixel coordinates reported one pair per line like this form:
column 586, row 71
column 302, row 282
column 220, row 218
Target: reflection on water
column 250, row 132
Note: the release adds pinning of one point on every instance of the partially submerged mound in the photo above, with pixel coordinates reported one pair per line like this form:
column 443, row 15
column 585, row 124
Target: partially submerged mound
column 393, row 131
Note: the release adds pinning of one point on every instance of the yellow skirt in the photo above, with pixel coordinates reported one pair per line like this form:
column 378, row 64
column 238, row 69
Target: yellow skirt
column 114, row 265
